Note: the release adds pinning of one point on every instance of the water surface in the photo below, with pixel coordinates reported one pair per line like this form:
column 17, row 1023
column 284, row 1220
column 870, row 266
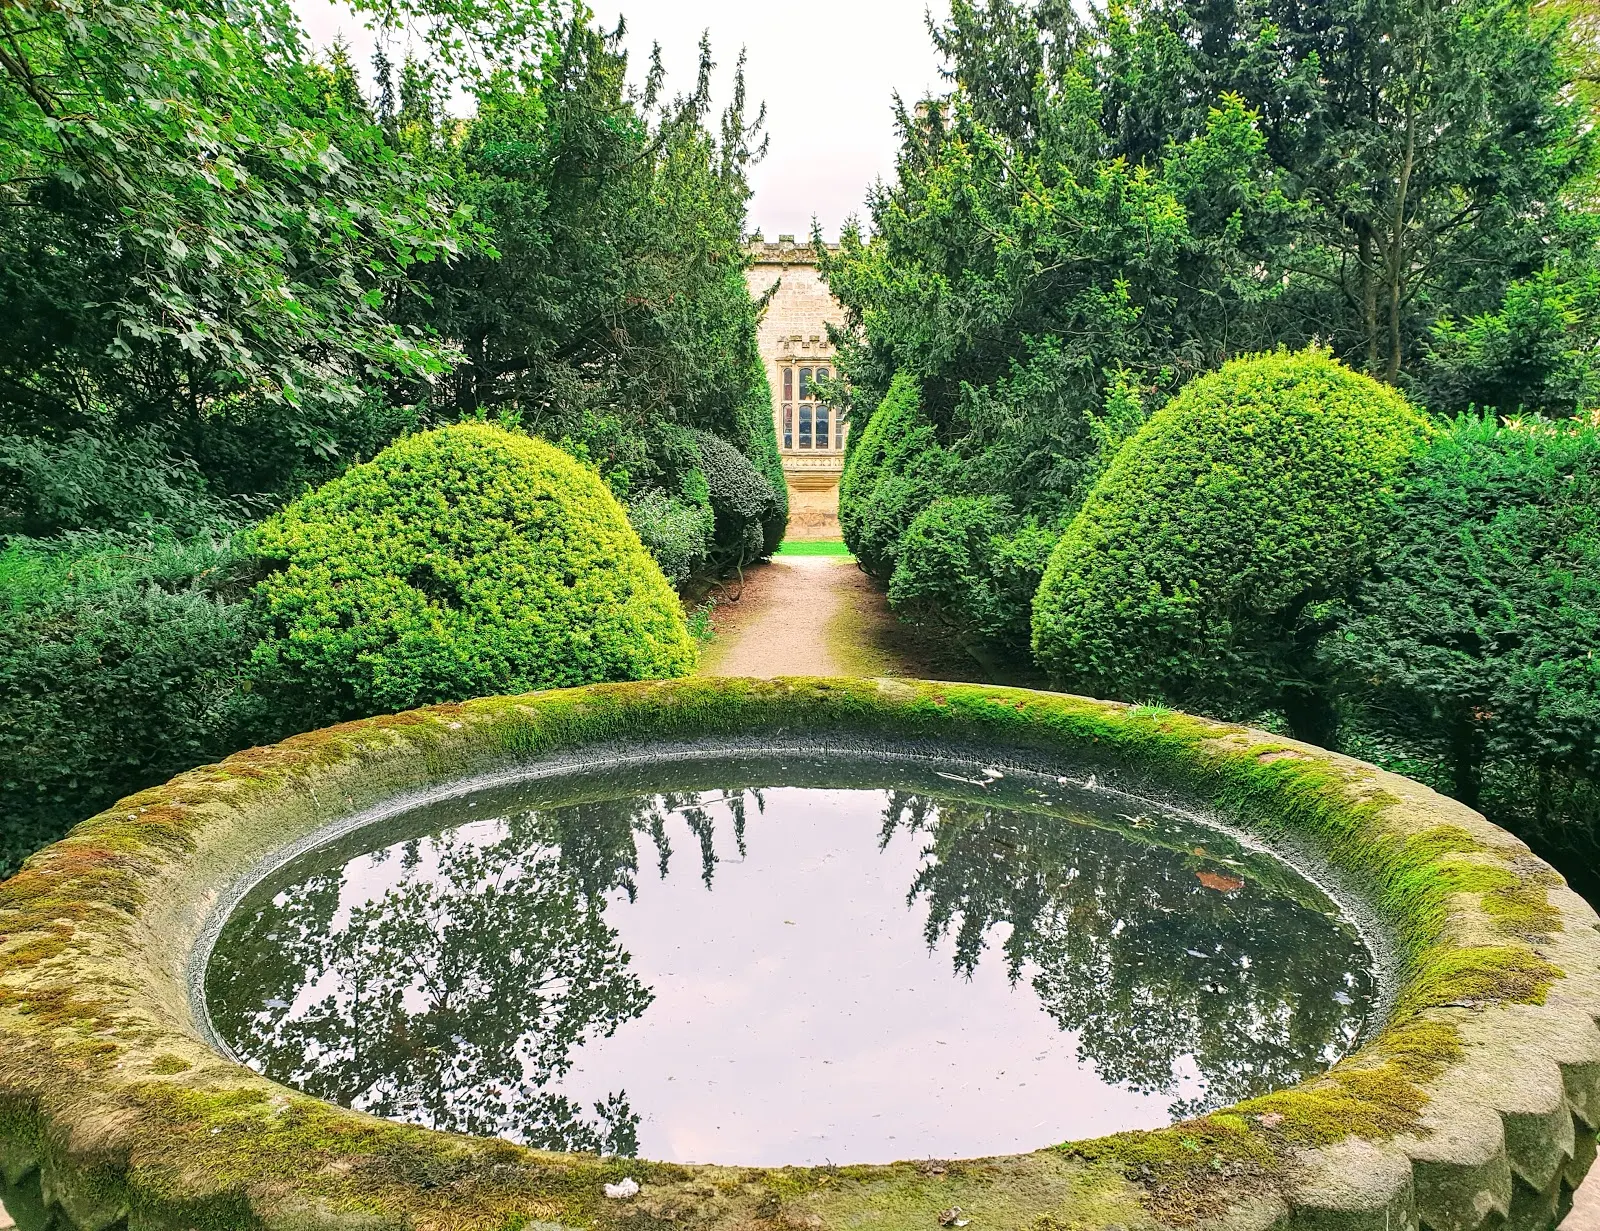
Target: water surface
column 773, row 961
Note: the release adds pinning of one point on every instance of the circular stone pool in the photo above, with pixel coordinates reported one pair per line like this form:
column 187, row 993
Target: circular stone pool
column 793, row 960
column 1048, row 949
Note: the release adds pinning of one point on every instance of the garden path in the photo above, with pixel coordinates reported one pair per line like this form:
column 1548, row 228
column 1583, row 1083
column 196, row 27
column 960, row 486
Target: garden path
column 820, row 615
column 1585, row 1214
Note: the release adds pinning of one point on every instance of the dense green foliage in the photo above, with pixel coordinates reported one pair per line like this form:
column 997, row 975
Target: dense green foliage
column 750, row 516
column 231, row 273
column 1106, row 203
column 200, row 237
column 1198, row 568
column 613, row 315
column 964, row 561
column 465, row 561
column 895, row 468
column 1471, row 645
column 677, row 530
column 121, row 663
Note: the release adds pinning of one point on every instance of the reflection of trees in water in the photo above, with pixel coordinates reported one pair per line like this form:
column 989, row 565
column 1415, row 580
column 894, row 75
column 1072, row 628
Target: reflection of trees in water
column 459, row 995
column 1129, row 949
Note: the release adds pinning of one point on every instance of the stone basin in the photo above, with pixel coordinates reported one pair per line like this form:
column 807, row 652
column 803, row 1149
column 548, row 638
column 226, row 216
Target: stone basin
column 1472, row 1100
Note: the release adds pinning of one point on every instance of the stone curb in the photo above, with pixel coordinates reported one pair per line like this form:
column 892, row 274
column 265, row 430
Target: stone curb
column 114, row 1112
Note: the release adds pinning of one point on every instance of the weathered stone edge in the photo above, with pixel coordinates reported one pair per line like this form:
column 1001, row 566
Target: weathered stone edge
column 108, row 1097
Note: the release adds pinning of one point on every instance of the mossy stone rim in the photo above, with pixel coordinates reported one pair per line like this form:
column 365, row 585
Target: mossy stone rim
column 1476, row 1104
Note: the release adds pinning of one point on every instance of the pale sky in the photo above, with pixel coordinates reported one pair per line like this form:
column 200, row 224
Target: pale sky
column 827, row 71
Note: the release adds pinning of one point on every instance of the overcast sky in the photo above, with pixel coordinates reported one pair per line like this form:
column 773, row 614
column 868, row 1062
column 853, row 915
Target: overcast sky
column 827, row 70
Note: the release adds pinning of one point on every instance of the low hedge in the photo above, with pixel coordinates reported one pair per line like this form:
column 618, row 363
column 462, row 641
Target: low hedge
column 1470, row 646
column 121, row 663
column 462, row 562
column 677, row 531
column 1194, row 571
column 968, row 562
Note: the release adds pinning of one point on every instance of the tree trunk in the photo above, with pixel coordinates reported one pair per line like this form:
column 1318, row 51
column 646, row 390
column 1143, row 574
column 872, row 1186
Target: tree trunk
column 1397, row 239
column 1369, row 297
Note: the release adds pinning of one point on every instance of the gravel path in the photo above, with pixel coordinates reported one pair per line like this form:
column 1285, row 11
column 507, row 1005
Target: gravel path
column 821, row 615
column 777, row 622
column 1585, row 1214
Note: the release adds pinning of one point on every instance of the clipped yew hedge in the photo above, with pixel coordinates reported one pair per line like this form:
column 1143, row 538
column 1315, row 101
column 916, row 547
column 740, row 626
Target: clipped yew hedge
column 894, row 470
column 750, row 515
column 466, row 561
column 1194, row 569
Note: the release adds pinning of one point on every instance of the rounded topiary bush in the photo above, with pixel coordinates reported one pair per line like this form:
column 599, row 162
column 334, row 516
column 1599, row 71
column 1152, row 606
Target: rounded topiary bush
column 969, row 563
column 894, row 470
column 1194, row 570
column 743, row 500
column 466, row 561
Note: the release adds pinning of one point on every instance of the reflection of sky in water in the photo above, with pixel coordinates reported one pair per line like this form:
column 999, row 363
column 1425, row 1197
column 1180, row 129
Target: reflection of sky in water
column 801, row 1018
column 799, row 1012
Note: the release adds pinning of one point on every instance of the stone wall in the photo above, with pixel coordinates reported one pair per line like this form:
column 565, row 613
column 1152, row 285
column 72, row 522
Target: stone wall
column 794, row 332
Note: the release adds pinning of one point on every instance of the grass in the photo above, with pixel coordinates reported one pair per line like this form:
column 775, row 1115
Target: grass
column 700, row 626
column 813, row 547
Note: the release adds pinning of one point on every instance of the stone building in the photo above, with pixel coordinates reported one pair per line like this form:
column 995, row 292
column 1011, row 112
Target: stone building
column 794, row 345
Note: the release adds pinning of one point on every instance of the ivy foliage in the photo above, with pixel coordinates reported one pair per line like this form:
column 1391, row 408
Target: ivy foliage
column 1199, row 569
column 1474, row 638
column 466, row 561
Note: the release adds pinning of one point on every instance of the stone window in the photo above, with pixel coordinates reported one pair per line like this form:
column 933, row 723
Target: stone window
column 802, row 406
column 788, row 408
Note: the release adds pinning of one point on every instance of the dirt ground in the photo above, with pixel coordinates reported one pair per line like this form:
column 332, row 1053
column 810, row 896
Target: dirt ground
column 821, row 615
column 1585, row 1214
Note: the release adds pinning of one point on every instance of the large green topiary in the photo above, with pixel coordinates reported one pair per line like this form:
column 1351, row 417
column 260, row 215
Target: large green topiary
column 895, row 469
column 463, row 562
column 1195, row 569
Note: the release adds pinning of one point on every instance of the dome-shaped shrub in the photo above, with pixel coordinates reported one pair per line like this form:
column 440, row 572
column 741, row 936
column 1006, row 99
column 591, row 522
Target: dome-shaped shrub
column 895, row 469
column 743, row 499
column 467, row 561
column 1193, row 570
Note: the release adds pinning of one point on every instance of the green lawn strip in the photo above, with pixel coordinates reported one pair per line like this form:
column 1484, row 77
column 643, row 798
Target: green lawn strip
column 813, row 547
